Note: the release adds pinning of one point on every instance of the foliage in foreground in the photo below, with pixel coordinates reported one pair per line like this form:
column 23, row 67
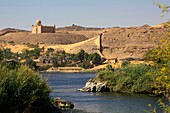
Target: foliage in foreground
column 161, row 56
column 22, row 91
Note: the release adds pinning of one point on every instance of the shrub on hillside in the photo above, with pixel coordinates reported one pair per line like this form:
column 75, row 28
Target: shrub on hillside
column 22, row 91
column 125, row 63
column 109, row 67
column 86, row 65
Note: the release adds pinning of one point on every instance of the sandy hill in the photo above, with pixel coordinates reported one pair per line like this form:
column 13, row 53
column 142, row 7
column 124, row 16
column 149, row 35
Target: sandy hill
column 121, row 43
column 65, row 35
column 11, row 30
column 44, row 38
column 132, row 42
column 88, row 32
column 89, row 45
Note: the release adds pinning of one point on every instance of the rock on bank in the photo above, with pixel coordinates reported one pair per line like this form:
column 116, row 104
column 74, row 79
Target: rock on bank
column 95, row 86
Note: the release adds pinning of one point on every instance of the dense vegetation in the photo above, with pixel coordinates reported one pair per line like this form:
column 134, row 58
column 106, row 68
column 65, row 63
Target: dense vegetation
column 41, row 59
column 81, row 59
column 22, row 91
column 128, row 79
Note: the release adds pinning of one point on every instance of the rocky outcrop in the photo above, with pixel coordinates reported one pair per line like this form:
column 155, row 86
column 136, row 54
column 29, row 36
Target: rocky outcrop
column 131, row 42
column 62, row 104
column 95, row 86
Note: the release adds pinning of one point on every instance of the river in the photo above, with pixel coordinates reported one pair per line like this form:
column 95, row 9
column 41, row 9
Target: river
column 65, row 85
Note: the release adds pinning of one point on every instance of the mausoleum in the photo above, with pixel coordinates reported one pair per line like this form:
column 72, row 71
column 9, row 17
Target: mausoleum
column 39, row 28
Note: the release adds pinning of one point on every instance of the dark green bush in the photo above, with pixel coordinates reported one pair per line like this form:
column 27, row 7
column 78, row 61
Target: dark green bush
column 30, row 63
column 22, row 91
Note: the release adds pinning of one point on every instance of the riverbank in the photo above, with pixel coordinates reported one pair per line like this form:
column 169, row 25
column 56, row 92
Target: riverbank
column 74, row 69
column 128, row 79
column 65, row 85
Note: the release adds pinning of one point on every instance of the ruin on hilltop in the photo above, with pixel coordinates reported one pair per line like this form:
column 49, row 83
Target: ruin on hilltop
column 39, row 28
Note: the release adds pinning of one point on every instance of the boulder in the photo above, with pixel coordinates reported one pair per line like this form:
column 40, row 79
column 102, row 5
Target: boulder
column 62, row 104
column 95, row 86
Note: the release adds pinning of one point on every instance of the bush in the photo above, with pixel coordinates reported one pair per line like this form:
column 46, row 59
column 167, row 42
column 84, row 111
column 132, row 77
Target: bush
column 11, row 42
column 30, row 63
column 55, row 62
column 109, row 67
column 95, row 58
column 22, row 91
column 32, row 45
column 86, row 65
column 125, row 63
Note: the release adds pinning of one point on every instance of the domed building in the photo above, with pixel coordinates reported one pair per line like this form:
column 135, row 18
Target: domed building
column 39, row 28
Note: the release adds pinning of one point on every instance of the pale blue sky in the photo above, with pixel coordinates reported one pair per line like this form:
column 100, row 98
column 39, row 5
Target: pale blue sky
column 93, row 13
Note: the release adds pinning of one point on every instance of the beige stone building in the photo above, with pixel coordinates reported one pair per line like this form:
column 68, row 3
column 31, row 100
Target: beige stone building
column 39, row 28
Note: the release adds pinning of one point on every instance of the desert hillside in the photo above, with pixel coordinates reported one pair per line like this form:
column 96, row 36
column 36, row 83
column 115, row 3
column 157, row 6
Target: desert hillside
column 78, row 28
column 132, row 42
column 121, row 43
column 44, row 38
column 88, row 32
column 11, row 30
column 65, row 35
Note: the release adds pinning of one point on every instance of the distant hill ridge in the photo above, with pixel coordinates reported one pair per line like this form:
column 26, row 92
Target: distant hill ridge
column 14, row 29
column 78, row 28
column 11, row 30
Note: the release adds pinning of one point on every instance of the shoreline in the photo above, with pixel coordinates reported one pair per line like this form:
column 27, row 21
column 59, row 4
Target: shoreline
column 67, row 72
column 70, row 70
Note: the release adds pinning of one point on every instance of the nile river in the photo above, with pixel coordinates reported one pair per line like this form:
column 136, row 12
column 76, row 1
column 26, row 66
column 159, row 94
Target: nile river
column 65, row 85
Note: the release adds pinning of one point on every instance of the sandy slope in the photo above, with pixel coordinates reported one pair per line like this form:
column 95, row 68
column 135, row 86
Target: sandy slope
column 91, row 45
column 17, row 48
column 44, row 38
column 76, row 47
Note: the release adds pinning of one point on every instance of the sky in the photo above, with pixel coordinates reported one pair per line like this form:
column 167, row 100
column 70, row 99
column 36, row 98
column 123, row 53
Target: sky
column 22, row 14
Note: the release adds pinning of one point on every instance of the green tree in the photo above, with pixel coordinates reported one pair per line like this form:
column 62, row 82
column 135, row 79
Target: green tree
column 80, row 55
column 30, row 63
column 7, row 54
column 161, row 56
column 95, row 58
column 86, row 65
column 55, row 62
column 35, row 53
column 50, row 49
column 25, row 54
column 86, row 55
